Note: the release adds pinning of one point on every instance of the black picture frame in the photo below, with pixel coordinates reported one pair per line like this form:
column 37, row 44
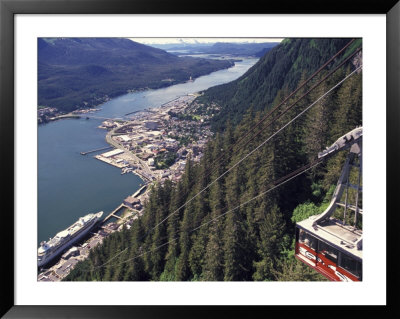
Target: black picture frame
column 8, row 9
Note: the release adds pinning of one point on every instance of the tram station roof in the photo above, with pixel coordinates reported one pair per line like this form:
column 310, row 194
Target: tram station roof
column 333, row 232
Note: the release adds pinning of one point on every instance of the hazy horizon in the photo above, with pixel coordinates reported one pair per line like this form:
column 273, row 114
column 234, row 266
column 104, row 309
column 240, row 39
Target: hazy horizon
column 196, row 40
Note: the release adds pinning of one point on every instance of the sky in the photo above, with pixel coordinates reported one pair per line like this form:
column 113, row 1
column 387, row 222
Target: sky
column 202, row 40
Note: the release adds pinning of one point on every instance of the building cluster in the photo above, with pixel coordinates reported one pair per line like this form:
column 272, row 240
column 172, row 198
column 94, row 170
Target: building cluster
column 161, row 140
column 45, row 113
column 116, row 158
column 155, row 145
column 206, row 112
column 84, row 110
column 133, row 202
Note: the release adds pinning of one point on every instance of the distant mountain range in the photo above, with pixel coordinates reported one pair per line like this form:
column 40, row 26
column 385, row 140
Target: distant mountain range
column 83, row 72
column 235, row 49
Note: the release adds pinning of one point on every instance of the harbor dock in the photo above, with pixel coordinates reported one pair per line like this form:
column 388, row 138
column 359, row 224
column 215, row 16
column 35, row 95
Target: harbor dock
column 140, row 191
column 112, row 214
column 97, row 150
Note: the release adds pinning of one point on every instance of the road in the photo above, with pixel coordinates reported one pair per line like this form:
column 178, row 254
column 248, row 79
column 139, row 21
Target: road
column 128, row 153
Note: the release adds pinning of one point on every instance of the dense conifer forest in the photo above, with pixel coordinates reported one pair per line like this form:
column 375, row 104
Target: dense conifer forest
column 279, row 70
column 219, row 235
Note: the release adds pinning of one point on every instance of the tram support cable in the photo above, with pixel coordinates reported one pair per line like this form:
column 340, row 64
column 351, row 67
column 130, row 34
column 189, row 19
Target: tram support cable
column 274, row 109
column 272, row 186
column 237, row 163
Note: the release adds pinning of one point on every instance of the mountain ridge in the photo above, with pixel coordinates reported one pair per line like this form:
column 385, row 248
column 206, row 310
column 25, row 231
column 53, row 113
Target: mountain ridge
column 231, row 48
column 83, row 72
column 279, row 69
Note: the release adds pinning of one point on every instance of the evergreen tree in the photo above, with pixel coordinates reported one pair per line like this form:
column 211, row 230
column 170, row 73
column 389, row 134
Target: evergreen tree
column 177, row 200
column 214, row 257
column 294, row 270
column 197, row 252
column 160, row 232
column 318, row 122
column 271, row 235
column 135, row 264
column 183, row 272
column 235, row 261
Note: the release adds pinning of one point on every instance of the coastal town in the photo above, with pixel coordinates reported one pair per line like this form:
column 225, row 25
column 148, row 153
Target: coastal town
column 154, row 144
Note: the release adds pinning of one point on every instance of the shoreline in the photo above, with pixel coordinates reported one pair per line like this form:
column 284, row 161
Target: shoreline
column 174, row 171
column 81, row 110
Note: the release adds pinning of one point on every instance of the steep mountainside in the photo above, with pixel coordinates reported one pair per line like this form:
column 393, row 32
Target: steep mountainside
column 280, row 68
column 77, row 72
column 227, row 219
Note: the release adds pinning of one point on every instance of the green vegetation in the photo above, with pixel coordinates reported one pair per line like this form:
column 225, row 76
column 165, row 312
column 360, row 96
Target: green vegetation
column 84, row 72
column 184, row 116
column 281, row 69
column 307, row 209
column 183, row 140
column 164, row 160
column 220, row 235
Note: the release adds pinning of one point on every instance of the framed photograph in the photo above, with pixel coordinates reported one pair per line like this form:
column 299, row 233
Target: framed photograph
column 93, row 91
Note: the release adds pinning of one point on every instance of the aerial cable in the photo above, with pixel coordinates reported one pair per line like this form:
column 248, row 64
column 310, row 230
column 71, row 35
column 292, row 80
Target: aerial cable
column 287, row 109
column 284, row 112
column 285, row 100
column 263, row 143
column 275, row 184
column 246, row 156
column 291, row 94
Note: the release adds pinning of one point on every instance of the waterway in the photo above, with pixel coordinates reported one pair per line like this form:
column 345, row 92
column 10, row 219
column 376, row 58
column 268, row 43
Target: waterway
column 71, row 185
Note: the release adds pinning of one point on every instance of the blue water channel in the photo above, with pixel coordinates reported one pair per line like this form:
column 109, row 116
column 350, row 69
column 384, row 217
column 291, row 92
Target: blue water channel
column 71, row 185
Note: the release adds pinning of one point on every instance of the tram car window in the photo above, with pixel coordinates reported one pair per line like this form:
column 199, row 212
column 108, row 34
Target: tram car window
column 307, row 239
column 351, row 265
column 328, row 251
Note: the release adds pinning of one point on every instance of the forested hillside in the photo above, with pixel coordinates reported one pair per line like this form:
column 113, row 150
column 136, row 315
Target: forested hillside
column 79, row 72
column 280, row 69
column 235, row 225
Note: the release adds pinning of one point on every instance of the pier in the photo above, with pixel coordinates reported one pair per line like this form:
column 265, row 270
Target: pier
column 65, row 116
column 170, row 101
column 138, row 111
column 112, row 214
column 97, row 150
column 139, row 191
column 134, row 112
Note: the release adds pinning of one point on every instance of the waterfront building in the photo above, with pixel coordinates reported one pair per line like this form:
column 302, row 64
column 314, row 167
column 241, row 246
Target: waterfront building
column 74, row 251
column 112, row 153
column 152, row 125
column 132, row 201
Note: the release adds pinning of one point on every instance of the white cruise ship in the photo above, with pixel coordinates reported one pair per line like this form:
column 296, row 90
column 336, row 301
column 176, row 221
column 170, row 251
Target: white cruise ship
column 56, row 245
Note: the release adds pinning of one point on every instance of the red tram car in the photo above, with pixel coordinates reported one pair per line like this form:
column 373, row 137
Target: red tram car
column 331, row 249
column 325, row 243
